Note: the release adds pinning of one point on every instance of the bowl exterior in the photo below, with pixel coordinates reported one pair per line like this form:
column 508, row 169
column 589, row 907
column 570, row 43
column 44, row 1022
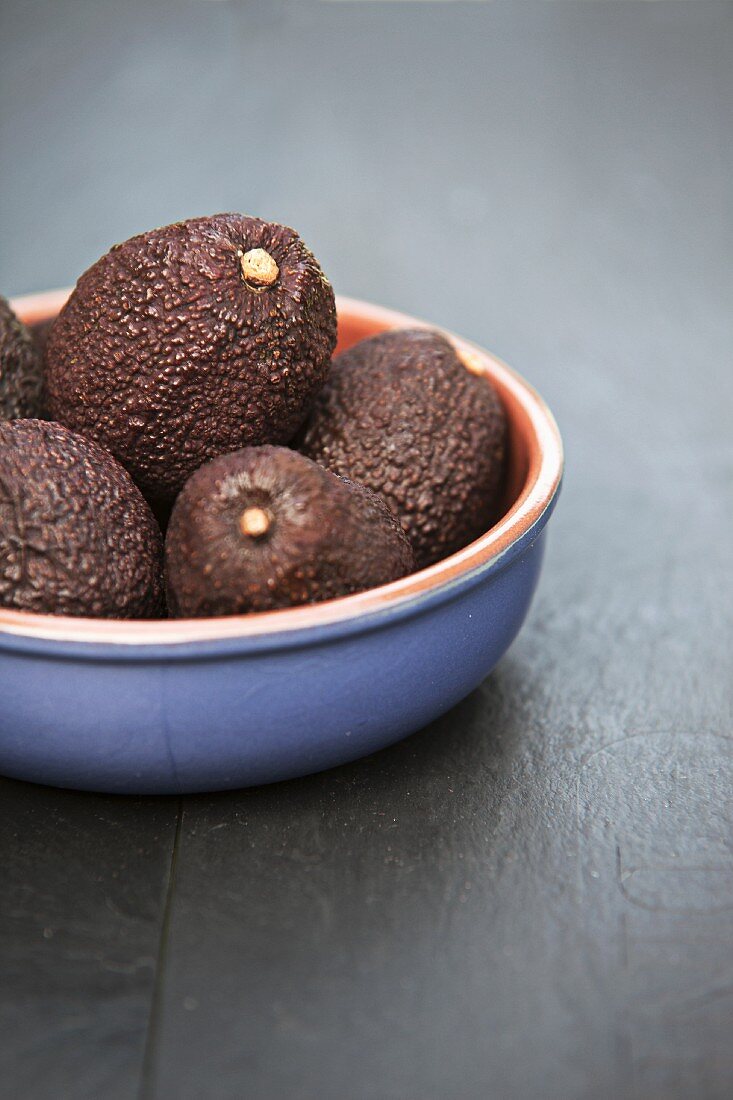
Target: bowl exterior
column 219, row 718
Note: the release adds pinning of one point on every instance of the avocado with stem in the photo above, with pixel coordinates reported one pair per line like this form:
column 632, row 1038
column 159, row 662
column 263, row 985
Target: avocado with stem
column 21, row 368
column 76, row 535
column 402, row 414
column 191, row 341
column 266, row 528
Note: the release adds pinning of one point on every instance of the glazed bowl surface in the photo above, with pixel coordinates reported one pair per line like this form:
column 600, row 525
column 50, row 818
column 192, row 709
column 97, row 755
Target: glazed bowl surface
column 210, row 704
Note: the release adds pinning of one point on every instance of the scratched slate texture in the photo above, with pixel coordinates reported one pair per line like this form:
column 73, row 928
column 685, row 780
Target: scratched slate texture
column 534, row 896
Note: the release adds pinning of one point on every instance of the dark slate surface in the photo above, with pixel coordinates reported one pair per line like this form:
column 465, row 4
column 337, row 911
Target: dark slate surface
column 534, row 897
column 84, row 885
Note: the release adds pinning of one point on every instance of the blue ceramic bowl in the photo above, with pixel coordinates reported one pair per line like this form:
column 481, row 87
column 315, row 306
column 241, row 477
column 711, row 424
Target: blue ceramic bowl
column 210, row 704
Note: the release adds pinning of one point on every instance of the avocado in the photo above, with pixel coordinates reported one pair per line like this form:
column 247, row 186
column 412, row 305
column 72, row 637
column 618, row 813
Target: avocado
column 266, row 528
column 40, row 332
column 191, row 341
column 21, row 368
column 76, row 536
column 403, row 415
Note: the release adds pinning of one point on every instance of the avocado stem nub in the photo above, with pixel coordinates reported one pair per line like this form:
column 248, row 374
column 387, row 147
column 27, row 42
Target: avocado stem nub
column 258, row 267
column 254, row 522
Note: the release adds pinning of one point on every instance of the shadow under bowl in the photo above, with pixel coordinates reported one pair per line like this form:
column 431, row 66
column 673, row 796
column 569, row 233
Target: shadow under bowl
column 212, row 704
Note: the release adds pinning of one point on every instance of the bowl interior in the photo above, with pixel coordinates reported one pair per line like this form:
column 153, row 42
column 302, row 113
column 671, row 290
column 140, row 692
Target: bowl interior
column 534, row 467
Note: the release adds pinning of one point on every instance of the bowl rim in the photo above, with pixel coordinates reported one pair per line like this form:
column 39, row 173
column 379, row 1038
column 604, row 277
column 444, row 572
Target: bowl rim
column 534, row 501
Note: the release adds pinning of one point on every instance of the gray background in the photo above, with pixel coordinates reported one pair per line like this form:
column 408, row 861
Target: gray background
column 534, row 896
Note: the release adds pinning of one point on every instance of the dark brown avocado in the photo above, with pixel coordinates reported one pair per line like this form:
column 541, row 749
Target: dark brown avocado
column 191, row 341
column 404, row 416
column 76, row 536
column 21, row 368
column 40, row 332
column 266, row 528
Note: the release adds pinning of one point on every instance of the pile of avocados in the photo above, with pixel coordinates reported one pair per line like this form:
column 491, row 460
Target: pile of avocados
column 181, row 442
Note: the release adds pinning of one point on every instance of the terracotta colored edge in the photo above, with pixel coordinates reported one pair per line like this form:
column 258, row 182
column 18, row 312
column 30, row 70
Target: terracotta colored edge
column 541, row 484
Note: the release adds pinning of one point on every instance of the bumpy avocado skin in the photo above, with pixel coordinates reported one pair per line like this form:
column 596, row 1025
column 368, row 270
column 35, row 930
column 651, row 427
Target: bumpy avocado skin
column 327, row 537
column 166, row 356
column 76, row 536
column 40, row 333
column 21, row 368
column 403, row 415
